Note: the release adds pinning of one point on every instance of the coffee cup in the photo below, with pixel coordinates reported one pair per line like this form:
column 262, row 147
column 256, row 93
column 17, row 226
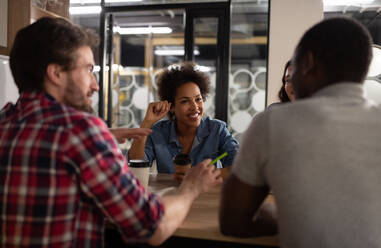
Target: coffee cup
column 225, row 172
column 140, row 169
column 182, row 162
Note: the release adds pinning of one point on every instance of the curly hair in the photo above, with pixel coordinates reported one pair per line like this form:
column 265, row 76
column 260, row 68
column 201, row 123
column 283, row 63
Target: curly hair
column 282, row 94
column 47, row 41
column 177, row 75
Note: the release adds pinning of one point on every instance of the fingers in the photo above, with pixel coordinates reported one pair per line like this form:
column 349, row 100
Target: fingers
column 134, row 132
column 160, row 108
column 143, row 131
column 212, row 170
column 155, row 111
column 121, row 134
column 219, row 180
column 179, row 177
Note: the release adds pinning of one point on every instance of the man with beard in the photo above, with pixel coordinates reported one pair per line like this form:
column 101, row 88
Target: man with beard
column 62, row 175
column 320, row 155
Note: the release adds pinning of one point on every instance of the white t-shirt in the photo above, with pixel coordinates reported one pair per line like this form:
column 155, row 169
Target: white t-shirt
column 322, row 158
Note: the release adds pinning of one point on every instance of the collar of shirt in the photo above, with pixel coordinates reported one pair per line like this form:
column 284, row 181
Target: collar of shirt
column 342, row 89
column 202, row 132
column 32, row 95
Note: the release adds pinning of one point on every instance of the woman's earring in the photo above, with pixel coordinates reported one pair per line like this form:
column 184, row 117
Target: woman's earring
column 172, row 114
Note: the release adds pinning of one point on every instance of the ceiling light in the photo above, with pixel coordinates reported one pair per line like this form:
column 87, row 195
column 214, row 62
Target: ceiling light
column 375, row 64
column 114, row 67
column 347, row 2
column 177, row 52
column 99, row 1
column 85, row 10
column 203, row 68
column 143, row 30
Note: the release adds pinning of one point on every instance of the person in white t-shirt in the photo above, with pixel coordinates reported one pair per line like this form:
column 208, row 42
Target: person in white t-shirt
column 320, row 155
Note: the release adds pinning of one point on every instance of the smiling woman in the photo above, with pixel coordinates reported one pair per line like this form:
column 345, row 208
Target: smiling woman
column 182, row 90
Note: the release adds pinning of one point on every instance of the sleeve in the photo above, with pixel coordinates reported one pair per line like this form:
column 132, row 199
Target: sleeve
column 149, row 151
column 249, row 165
column 227, row 144
column 106, row 182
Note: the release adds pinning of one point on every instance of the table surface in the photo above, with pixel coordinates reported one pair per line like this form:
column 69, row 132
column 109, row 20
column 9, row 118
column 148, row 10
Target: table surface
column 202, row 220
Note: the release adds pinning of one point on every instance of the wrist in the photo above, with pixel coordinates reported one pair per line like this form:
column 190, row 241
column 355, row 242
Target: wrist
column 146, row 124
column 189, row 192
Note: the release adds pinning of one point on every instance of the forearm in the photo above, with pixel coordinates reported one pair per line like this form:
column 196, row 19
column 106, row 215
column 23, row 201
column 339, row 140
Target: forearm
column 137, row 149
column 237, row 211
column 176, row 206
column 198, row 179
column 264, row 224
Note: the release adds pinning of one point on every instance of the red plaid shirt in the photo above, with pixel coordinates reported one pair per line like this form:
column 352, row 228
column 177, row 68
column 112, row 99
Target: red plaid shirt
column 62, row 176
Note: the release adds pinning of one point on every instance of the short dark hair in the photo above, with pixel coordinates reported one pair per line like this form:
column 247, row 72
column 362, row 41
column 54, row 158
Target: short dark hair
column 48, row 40
column 282, row 94
column 342, row 48
column 176, row 75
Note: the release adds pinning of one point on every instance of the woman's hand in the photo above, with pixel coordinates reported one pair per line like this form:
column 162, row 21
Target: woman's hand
column 155, row 112
column 121, row 134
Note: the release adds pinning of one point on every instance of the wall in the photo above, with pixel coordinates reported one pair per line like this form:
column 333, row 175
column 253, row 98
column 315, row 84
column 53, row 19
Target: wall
column 3, row 23
column 8, row 88
column 288, row 21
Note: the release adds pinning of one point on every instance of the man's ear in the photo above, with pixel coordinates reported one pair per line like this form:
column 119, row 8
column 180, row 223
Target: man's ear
column 54, row 74
column 308, row 63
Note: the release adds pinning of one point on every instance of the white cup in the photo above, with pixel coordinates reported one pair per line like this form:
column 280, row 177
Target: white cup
column 140, row 169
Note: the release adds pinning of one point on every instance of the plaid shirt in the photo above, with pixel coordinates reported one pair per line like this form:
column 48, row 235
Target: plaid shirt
column 62, row 176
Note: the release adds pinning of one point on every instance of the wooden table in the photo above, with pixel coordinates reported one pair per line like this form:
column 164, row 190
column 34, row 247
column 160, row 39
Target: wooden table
column 202, row 220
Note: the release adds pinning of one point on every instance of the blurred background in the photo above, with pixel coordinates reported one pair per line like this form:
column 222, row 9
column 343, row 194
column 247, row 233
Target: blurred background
column 151, row 34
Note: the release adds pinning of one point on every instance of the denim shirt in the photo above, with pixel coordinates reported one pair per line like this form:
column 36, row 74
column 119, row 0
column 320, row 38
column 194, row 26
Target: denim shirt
column 212, row 139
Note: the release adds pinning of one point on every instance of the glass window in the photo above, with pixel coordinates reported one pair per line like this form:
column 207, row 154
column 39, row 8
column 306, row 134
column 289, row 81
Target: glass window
column 367, row 13
column 147, row 41
column 205, row 53
column 152, row 2
column 247, row 82
column 139, row 57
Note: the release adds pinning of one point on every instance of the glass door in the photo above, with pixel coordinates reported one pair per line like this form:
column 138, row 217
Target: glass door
column 140, row 41
column 208, row 45
column 145, row 42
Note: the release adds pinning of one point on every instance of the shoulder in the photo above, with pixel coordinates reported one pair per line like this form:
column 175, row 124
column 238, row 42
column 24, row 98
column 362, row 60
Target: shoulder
column 296, row 108
column 78, row 124
column 214, row 128
column 73, row 118
column 162, row 130
column 212, row 123
column 274, row 105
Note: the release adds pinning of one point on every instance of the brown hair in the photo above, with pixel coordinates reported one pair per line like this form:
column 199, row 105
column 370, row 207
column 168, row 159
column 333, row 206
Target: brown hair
column 47, row 41
column 282, row 94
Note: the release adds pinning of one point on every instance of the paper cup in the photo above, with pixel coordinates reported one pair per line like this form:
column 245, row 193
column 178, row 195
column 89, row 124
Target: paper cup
column 140, row 169
column 182, row 162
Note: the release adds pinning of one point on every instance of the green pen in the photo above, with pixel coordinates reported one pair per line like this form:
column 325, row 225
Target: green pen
column 219, row 157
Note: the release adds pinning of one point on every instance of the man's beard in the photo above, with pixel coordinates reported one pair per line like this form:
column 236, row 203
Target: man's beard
column 75, row 98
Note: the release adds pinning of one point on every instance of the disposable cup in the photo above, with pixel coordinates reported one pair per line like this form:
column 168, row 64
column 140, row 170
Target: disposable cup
column 140, row 169
column 182, row 163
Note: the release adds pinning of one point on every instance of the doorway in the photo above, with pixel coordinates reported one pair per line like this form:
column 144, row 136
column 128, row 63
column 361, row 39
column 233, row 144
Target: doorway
column 140, row 40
